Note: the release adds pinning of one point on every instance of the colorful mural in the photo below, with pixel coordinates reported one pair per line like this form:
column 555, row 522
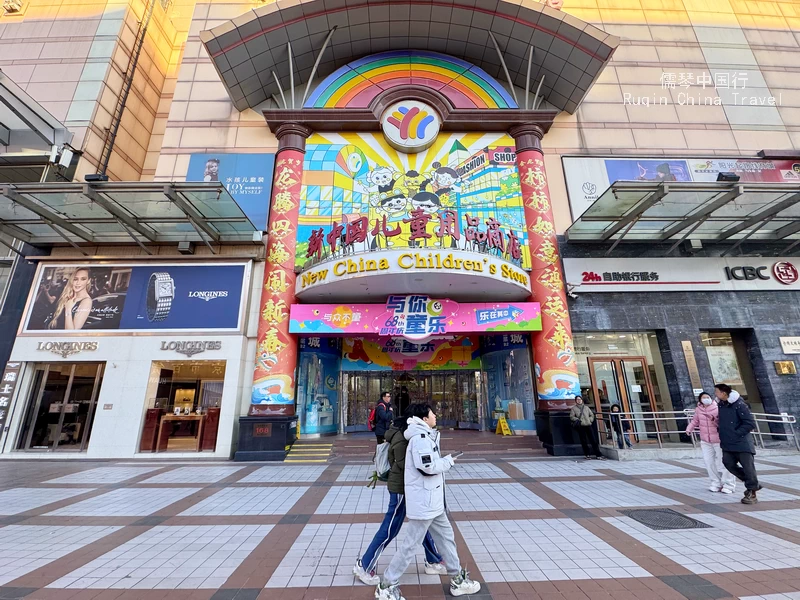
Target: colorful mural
column 356, row 85
column 360, row 194
column 398, row 354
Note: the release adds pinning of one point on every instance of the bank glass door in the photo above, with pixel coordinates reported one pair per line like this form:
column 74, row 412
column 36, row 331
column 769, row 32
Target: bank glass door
column 623, row 381
column 62, row 406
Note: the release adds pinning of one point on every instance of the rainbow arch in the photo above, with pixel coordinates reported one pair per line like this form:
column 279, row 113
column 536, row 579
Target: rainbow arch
column 356, row 84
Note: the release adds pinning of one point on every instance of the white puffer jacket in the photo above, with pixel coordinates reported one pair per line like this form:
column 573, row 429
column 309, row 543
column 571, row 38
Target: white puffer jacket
column 424, row 471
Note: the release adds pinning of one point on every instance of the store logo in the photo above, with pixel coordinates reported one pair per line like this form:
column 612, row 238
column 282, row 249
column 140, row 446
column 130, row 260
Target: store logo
column 747, row 273
column 785, row 272
column 410, row 126
column 65, row 349
column 589, row 188
column 208, row 296
column 190, row 348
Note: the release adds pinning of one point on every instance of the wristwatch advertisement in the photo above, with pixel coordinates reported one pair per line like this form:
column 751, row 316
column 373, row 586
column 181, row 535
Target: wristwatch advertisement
column 160, row 293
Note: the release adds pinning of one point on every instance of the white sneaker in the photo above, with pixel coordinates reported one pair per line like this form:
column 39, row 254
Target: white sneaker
column 391, row 592
column 462, row 585
column 714, row 488
column 726, row 491
column 435, row 568
column 365, row 576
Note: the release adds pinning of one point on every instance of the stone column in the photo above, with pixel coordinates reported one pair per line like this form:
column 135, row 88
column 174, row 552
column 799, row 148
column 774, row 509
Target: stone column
column 276, row 350
column 554, row 357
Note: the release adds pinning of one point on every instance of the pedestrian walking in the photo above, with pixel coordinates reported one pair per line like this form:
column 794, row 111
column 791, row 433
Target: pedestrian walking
column 621, row 427
column 582, row 419
column 424, row 486
column 738, row 450
column 384, row 415
column 365, row 566
column 706, row 422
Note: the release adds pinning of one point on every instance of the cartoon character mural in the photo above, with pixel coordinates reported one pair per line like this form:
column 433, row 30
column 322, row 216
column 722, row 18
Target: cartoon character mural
column 360, row 194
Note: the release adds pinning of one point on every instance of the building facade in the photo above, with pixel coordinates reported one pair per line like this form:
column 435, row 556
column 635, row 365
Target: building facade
column 492, row 207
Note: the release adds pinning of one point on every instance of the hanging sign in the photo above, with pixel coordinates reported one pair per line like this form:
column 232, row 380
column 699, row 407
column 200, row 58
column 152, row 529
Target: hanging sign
column 7, row 386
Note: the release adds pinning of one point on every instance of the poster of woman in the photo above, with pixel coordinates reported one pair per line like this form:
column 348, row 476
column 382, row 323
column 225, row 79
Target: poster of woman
column 79, row 298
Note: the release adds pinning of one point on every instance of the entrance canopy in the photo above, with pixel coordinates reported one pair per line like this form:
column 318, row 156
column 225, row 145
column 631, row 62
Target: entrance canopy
column 252, row 53
column 677, row 211
column 45, row 214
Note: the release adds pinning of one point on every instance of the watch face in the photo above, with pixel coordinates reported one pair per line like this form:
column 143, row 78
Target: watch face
column 165, row 289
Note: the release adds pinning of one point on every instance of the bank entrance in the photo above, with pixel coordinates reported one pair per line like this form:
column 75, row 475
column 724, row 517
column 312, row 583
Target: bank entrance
column 455, row 396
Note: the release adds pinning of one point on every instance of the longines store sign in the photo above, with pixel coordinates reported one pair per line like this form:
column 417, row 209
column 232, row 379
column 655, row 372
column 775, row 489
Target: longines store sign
column 65, row 349
column 191, row 347
column 681, row 274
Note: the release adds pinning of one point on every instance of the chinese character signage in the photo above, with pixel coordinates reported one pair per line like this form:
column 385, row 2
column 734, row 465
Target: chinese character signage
column 681, row 274
column 247, row 177
column 75, row 298
column 414, row 317
column 360, row 195
column 398, row 354
column 7, row 386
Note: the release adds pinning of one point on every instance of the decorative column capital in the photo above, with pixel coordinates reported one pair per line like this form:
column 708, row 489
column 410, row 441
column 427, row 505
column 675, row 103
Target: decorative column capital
column 527, row 136
column 292, row 136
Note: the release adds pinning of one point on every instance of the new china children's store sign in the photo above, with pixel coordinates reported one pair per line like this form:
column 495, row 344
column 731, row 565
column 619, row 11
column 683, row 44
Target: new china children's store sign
column 415, row 317
column 136, row 297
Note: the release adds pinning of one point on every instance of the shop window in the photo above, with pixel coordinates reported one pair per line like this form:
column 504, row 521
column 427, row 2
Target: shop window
column 183, row 406
column 61, row 407
column 506, row 365
column 730, row 364
column 318, row 387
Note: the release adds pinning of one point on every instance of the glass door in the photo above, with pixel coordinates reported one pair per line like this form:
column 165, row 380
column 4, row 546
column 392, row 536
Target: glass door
column 623, row 381
column 62, row 406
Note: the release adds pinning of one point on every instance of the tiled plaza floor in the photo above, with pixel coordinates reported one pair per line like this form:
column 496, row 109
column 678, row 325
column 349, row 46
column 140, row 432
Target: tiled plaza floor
column 528, row 528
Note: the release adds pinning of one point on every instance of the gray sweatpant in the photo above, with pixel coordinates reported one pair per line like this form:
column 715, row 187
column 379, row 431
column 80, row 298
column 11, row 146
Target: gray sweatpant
column 444, row 537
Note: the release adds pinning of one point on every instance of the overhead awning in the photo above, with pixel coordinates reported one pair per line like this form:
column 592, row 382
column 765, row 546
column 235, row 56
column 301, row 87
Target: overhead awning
column 251, row 52
column 24, row 122
column 45, row 214
column 631, row 211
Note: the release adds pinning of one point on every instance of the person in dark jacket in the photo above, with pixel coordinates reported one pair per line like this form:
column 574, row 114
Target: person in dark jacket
column 384, row 415
column 738, row 451
column 366, row 566
column 621, row 426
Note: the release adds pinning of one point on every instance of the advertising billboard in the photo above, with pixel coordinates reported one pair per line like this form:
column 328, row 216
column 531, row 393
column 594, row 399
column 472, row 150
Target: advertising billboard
column 247, row 177
column 139, row 297
column 359, row 194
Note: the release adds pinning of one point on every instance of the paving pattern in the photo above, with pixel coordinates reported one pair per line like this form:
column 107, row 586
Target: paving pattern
column 528, row 528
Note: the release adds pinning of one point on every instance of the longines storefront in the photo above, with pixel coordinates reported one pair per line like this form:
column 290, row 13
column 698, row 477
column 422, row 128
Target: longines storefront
column 129, row 359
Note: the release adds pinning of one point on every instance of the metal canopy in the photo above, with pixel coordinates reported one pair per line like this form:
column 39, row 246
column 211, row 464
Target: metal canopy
column 677, row 211
column 24, row 122
column 44, row 214
column 251, row 52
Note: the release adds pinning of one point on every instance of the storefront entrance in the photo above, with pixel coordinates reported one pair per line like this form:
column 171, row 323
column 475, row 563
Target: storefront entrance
column 455, row 396
column 623, row 381
column 62, row 406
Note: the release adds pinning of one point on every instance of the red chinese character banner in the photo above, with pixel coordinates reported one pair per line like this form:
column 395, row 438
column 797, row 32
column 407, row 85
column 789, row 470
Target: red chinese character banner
column 276, row 352
column 553, row 352
column 359, row 194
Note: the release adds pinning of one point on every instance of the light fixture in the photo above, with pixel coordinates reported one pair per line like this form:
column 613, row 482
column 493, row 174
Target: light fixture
column 589, row 337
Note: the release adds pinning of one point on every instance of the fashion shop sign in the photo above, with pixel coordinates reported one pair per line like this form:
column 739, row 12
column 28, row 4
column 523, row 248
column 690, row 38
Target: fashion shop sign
column 415, row 317
column 681, row 274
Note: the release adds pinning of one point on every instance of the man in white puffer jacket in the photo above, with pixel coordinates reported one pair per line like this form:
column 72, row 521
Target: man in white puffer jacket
column 425, row 508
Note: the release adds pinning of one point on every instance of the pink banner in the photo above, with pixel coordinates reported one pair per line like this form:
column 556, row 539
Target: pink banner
column 414, row 317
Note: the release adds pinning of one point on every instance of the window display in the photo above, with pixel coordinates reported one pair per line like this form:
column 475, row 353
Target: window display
column 506, row 364
column 318, row 385
column 183, row 404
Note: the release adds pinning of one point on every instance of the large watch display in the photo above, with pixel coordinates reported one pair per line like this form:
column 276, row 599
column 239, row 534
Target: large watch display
column 160, row 293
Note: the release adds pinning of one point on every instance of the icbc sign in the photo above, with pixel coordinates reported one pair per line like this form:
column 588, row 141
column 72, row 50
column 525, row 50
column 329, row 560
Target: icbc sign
column 783, row 271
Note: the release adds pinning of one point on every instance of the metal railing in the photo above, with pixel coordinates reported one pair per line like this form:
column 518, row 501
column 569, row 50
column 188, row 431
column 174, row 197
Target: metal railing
column 670, row 426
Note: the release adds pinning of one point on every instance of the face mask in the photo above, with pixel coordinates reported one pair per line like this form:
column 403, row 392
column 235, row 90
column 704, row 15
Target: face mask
column 706, row 401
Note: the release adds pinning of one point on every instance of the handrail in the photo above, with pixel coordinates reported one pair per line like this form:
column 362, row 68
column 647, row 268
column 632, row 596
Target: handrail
column 788, row 422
